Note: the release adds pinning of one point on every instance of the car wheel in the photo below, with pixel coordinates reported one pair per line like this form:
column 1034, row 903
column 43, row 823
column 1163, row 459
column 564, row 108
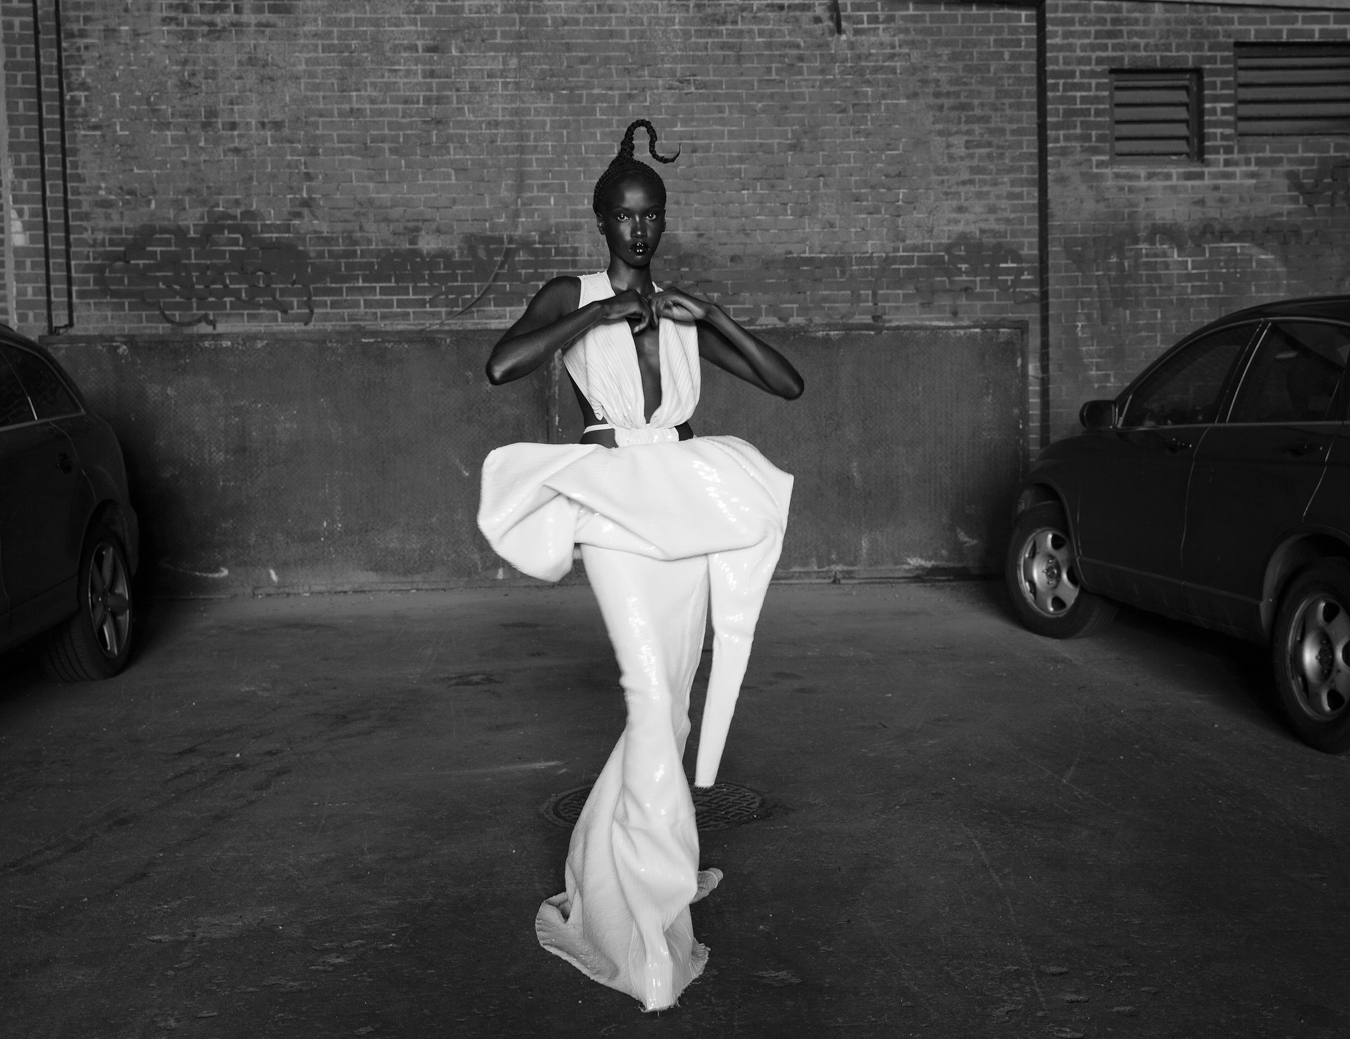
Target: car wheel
column 1042, row 576
column 96, row 641
column 1311, row 648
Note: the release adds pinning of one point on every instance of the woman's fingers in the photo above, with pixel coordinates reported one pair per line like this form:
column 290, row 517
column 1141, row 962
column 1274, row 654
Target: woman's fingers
column 646, row 314
column 676, row 311
column 679, row 305
column 628, row 305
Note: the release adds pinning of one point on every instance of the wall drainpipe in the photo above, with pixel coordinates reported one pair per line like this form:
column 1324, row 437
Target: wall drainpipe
column 1043, row 221
column 52, row 327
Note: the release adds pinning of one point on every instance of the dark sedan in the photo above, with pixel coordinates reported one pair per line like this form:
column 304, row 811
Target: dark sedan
column 68, row 534
column 1214, row 489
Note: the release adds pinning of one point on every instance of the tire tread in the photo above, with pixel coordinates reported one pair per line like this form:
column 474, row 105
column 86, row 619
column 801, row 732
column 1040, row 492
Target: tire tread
column 69, row 651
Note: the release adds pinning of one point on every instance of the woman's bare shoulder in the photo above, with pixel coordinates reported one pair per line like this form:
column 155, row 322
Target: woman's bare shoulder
column 559, row 296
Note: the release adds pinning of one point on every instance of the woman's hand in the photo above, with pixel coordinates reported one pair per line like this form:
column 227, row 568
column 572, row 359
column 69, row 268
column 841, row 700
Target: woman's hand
column 678, row 305
column 630, row 304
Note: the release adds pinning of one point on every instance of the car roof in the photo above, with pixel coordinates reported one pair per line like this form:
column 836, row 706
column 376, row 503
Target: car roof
column 1334, row 308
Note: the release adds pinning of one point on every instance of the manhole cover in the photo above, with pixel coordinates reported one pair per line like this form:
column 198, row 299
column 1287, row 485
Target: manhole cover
column 720, row 806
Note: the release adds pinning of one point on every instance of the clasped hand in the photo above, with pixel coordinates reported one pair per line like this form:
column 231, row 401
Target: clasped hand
column 643, row 312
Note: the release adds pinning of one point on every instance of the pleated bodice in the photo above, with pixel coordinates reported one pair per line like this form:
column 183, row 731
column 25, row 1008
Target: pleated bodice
column 604, row 365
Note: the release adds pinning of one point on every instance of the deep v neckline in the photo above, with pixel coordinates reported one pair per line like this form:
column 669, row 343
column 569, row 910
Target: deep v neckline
column 637, row 365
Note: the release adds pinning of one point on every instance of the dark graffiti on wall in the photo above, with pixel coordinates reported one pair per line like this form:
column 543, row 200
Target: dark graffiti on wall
column 466, row 273
column 191, row 277
column 187, row 277
column 1119, row 263
column 235, row 264
column 1329, row 185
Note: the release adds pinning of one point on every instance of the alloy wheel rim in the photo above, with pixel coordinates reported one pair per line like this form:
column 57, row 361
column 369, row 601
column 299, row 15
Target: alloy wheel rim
column 109, row 599
column 1047, row 576
column 1319, row 641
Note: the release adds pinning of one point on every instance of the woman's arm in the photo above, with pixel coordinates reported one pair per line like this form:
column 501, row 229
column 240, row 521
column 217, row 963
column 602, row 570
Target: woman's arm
column 552, row 321
column 730, row 346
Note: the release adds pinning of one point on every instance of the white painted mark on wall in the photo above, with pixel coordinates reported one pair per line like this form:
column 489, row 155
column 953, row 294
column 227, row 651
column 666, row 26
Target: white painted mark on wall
column 214, row 575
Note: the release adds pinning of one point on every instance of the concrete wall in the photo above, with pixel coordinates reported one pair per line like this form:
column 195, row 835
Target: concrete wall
column 337, row 461
column 334, row 461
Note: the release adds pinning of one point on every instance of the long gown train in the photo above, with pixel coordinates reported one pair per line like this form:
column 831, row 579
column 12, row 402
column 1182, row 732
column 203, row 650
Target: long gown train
column 632, row 864
column 669, row 532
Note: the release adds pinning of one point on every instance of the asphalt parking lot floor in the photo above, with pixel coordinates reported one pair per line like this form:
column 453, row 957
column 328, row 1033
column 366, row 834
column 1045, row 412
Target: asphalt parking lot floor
column 320, row 816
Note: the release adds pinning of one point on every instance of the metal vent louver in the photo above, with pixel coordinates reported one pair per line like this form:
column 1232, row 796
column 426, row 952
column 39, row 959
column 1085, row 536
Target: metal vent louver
column 1293, row 89
column 1155, row 113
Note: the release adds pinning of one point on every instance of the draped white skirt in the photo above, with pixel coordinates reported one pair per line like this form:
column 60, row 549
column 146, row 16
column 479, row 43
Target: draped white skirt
column 667, row 531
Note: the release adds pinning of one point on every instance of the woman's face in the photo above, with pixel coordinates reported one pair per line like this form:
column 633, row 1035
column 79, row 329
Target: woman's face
column 632, row 221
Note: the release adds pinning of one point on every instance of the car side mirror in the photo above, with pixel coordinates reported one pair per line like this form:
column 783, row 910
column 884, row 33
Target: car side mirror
column 1098, row 414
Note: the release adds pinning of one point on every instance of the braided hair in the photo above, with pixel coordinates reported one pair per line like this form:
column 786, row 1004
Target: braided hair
column 625, row 165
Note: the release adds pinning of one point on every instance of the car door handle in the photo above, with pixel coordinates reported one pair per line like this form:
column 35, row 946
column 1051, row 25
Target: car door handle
column 64, row 463
column 1301, row 448
column 1174, row 445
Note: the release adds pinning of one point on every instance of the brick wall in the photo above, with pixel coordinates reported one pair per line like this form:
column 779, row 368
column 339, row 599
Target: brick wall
column 404, row 163
column 1144, row 251
column 23, row 254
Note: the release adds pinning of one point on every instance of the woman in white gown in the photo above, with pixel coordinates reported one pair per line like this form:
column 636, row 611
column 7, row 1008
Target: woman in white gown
column 670, row 526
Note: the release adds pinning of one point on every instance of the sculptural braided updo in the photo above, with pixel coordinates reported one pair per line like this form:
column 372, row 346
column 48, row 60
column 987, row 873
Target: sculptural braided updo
column 625, row 165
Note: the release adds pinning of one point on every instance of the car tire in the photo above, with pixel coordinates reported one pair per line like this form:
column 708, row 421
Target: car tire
column 1310, row 647
column 95, row 642
column 1042, row 578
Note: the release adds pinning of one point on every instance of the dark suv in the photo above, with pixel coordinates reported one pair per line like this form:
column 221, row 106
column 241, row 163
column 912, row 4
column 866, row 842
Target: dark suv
column 68, row 534
column 1216, row 489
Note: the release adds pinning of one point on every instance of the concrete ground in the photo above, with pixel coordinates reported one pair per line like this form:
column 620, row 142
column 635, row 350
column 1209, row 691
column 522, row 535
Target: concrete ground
column 304, row 817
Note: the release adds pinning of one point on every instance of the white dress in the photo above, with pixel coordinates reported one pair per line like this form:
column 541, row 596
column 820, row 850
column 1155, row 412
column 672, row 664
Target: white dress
column 670, row 531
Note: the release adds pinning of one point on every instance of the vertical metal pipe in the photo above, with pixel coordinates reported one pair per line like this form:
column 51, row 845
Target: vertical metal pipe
column 42, row 167
column 65, row 168
column 1043, row 218
column 7, row 204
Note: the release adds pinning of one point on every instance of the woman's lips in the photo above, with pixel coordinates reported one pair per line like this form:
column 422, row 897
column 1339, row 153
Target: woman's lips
column 639, row 248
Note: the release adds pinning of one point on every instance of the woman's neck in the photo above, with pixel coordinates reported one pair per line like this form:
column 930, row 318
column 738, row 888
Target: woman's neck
column 623, row 276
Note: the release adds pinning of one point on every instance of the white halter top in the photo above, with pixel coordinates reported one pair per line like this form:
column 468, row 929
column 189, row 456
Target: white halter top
column 604, row 365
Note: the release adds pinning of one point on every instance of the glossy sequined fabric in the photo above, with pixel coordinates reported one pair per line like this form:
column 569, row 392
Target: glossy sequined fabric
column 671, row 534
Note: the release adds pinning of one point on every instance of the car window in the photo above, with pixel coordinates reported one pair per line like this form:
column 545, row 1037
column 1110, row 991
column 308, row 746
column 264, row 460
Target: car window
column 14, row 406
column 1187, row 389
column 1294, row 374
column 45, row 389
